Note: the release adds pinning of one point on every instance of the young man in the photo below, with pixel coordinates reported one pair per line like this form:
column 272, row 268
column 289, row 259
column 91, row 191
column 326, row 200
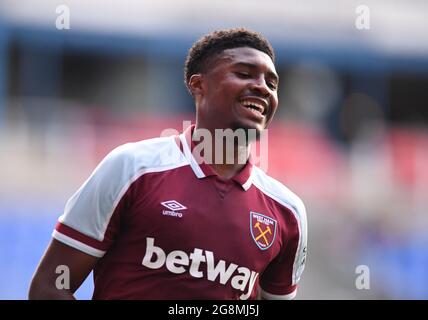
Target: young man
column 157, row 220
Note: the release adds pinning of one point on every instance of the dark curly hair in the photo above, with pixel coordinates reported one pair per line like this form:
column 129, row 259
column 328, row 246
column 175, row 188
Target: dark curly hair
column 203, row 50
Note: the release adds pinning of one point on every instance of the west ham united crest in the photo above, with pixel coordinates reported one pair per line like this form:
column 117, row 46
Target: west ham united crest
column 263, row 230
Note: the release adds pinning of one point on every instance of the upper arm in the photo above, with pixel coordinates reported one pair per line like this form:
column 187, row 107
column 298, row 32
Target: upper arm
column 60, row 261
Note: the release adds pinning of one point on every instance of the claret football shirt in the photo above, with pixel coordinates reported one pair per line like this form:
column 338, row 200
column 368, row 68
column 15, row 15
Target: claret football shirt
column 167, row 227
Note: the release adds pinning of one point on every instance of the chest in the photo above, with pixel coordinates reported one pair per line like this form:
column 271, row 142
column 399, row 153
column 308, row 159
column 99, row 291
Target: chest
column 184, row 213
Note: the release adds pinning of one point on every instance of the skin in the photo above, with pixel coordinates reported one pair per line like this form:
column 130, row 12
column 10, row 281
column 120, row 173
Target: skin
column 232, row 75
column 43, row 283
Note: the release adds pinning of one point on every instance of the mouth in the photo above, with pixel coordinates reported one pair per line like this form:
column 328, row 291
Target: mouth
column 257, row 106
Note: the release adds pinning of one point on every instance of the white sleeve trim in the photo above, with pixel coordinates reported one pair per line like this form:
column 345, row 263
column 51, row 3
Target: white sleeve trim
column 77, row 244
column 271, row 296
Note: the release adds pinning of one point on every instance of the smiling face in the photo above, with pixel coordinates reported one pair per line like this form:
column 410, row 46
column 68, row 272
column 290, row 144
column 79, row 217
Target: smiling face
column 238, row 90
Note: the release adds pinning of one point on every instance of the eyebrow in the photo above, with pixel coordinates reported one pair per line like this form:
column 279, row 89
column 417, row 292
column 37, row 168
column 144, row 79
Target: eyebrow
column 254, row 66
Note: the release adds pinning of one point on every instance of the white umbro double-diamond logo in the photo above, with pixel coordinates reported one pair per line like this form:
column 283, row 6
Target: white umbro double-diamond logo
column 174, row 207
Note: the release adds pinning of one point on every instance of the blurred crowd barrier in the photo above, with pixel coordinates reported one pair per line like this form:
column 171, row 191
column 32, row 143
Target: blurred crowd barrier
column 366, row 202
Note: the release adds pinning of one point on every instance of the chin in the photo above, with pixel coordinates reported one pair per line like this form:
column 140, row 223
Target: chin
column 252, row 132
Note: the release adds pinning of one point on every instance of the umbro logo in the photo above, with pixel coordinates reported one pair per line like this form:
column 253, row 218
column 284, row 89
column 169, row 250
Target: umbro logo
column 174, row 207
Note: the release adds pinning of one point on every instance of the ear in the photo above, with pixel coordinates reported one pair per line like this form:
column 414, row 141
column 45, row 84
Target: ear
column 196, row 85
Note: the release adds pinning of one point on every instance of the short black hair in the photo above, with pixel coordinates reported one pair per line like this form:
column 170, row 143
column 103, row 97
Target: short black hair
column 214, row 43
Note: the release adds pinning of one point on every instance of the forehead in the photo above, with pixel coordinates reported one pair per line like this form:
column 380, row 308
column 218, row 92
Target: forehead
column 245, row 55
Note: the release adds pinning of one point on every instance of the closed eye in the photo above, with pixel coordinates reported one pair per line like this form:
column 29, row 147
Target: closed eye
column 243, row 74
column 273, row 85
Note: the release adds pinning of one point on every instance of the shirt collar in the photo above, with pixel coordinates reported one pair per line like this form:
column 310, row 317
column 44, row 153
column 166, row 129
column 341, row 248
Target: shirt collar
column 202, row 169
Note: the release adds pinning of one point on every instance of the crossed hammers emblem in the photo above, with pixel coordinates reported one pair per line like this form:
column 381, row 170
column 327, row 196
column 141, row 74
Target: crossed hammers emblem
column 262, row 233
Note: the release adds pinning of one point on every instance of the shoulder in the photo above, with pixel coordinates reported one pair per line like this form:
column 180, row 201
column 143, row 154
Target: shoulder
column 279, row 193
column 91, row 207
column 160, row 152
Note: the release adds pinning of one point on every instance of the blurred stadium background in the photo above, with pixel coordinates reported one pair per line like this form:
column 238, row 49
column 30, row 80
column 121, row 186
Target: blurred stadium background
column 350, row 136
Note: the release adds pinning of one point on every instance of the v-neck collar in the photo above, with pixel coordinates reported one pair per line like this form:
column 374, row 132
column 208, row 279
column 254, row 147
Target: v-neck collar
column 202, row 169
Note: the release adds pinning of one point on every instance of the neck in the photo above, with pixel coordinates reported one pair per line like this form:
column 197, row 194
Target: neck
column 225, row 155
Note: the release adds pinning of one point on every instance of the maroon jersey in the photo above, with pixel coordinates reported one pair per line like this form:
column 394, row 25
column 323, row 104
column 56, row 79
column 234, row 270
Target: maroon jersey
column 166, row 227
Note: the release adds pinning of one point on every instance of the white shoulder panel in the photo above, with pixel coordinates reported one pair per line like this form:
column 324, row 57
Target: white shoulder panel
column 89, row 210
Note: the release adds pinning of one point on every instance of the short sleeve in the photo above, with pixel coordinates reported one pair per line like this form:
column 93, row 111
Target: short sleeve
column 280, row 279
column 91, row 218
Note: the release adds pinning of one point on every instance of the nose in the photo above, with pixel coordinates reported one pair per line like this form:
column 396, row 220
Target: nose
column 259, row 86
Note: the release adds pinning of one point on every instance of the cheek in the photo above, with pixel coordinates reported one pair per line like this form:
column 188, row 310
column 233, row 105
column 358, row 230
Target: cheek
column 274, row 103
column 223, row 91
column 230, row 83
column 226, row 91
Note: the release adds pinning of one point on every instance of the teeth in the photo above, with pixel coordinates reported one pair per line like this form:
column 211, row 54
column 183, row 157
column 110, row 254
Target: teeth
column 252, row 105
column 255, row 111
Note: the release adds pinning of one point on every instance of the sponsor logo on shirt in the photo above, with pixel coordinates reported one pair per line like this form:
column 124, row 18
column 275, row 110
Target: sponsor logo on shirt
column 173, row 207
column 201, row 264
column 263, row 230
